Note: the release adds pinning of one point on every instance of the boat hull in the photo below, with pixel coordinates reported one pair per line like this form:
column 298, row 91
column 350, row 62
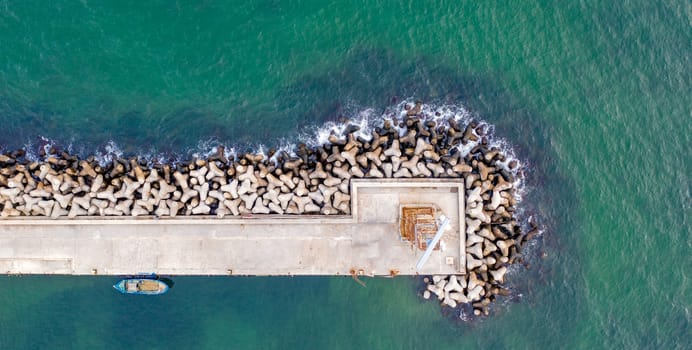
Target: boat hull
column 141, row 286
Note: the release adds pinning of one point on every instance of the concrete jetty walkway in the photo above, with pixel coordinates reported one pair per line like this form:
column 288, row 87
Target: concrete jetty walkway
column 367, row 241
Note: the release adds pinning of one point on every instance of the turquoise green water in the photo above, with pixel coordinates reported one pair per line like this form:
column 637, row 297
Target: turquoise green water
column 596, row 96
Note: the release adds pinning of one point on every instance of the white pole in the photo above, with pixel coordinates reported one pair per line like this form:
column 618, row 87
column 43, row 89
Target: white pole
column 433, row 243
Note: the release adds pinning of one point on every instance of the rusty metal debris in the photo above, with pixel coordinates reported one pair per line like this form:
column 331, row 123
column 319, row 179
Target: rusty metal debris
column 417, row 224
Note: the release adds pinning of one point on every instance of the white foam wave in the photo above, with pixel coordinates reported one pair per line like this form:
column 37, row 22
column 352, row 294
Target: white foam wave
column 42, row 144
column 366, row 119
column 110, row 152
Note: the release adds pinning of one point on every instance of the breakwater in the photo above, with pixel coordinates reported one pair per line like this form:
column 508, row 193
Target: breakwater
column 413, row 142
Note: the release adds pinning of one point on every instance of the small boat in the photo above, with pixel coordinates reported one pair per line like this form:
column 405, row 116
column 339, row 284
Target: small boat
column 144, row 286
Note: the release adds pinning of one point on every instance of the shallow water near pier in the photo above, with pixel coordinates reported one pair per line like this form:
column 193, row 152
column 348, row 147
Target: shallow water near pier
column 593, row 96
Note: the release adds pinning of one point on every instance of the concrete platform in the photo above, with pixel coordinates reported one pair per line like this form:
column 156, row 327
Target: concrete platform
column 366, row 241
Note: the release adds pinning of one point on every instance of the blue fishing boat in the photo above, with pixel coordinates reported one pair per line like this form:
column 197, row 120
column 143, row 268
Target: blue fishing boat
column 143, row 286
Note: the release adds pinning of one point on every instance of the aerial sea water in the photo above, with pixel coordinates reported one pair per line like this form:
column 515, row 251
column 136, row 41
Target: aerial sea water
column 595, row 97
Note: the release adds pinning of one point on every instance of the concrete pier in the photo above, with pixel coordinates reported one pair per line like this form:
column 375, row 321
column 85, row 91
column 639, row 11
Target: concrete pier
column 366, row 242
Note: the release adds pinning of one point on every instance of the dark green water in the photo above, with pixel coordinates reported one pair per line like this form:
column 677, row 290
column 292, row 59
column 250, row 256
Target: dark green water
column 595, row 96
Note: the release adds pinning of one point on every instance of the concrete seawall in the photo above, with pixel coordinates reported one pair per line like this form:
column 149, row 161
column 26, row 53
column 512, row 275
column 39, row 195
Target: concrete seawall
column 366, row 242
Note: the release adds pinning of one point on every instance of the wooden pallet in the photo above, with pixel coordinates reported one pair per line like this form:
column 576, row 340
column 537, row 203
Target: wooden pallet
column 417, row 224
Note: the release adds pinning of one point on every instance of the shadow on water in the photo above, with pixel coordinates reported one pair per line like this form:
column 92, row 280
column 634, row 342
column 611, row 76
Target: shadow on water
column 168, row 281
column 375, row 78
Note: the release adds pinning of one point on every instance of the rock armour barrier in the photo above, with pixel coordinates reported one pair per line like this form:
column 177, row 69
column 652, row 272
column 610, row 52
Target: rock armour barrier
column 310, row 180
